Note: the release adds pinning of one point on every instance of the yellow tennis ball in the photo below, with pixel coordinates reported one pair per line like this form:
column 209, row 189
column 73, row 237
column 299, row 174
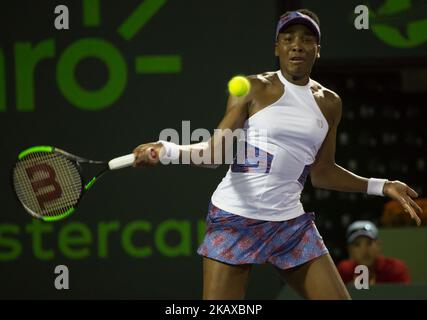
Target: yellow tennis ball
column 239, row 86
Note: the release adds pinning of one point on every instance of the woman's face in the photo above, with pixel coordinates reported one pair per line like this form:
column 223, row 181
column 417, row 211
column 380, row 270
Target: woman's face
column 297, row 49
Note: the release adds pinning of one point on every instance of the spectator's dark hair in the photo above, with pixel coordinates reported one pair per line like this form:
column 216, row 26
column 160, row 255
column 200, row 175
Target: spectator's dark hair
column 307, row 12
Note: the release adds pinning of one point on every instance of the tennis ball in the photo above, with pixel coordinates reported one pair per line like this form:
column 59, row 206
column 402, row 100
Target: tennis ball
column 239, row 86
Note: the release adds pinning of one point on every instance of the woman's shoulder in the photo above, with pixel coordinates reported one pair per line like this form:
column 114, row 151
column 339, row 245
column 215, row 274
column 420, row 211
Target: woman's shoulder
column 326, row 92
column 261, row 81
column 263, row 78
column 329, row 100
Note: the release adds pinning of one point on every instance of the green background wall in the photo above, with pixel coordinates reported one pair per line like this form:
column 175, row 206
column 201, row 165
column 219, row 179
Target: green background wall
column 153, row 216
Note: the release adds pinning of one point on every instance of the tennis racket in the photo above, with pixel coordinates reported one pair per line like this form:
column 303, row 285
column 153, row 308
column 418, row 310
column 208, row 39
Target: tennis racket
column 49, row 183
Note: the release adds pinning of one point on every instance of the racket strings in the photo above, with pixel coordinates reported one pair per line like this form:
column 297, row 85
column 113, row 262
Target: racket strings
column 48, row 184
column 71, row 185
column 56, row 184
column 69, row 182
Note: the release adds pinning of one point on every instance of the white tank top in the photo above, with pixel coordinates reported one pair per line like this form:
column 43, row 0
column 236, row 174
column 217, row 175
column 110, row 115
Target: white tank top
column 282, row 141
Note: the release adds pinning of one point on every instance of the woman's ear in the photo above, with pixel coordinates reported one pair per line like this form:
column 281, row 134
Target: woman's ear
column 318, row 51
column 276, row 49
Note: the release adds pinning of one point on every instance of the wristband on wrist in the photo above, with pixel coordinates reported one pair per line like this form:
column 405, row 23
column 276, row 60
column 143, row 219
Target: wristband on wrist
column 170, row 151
column 376, row 186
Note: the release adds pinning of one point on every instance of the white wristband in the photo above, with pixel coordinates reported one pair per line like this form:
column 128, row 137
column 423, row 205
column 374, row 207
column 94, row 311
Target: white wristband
column 376, row 186
column 169, row 152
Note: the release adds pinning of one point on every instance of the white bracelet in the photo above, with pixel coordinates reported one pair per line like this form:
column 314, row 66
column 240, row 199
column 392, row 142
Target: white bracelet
column 169, row 152
column 376, row 186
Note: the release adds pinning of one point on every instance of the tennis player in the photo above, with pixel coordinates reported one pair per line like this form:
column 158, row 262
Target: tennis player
column 255, row 215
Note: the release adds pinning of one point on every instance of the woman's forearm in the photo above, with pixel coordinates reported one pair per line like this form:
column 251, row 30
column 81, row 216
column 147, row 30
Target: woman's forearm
column 337, row 178
column 210, row 154
column 198, row 154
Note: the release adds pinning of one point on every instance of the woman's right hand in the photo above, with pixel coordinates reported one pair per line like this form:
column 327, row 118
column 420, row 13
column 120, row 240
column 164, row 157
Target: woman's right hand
column 147, row 154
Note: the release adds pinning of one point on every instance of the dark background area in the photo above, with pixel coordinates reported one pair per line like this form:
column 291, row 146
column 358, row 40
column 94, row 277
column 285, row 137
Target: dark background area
column 381, row 135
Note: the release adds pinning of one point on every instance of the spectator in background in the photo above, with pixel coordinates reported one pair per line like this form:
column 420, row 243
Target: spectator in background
column 364, row 249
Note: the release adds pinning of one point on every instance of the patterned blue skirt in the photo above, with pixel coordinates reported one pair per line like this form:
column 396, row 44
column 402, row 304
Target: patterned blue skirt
column 237, row 240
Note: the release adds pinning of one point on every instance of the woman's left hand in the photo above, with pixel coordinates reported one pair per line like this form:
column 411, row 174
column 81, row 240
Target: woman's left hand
column 402, row 193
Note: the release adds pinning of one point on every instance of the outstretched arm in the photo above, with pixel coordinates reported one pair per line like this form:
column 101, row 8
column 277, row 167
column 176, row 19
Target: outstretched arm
column 211, row 153
column 326, row 174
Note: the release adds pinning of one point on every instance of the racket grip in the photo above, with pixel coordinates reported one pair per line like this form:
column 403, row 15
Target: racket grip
column 121, row 162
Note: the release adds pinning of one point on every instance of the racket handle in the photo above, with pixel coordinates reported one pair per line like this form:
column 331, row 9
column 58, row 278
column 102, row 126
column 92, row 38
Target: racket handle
column 121, row 162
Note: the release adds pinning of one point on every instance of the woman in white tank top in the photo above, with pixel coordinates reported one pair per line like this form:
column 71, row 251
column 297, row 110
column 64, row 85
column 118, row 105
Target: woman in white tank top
column 289, row 124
